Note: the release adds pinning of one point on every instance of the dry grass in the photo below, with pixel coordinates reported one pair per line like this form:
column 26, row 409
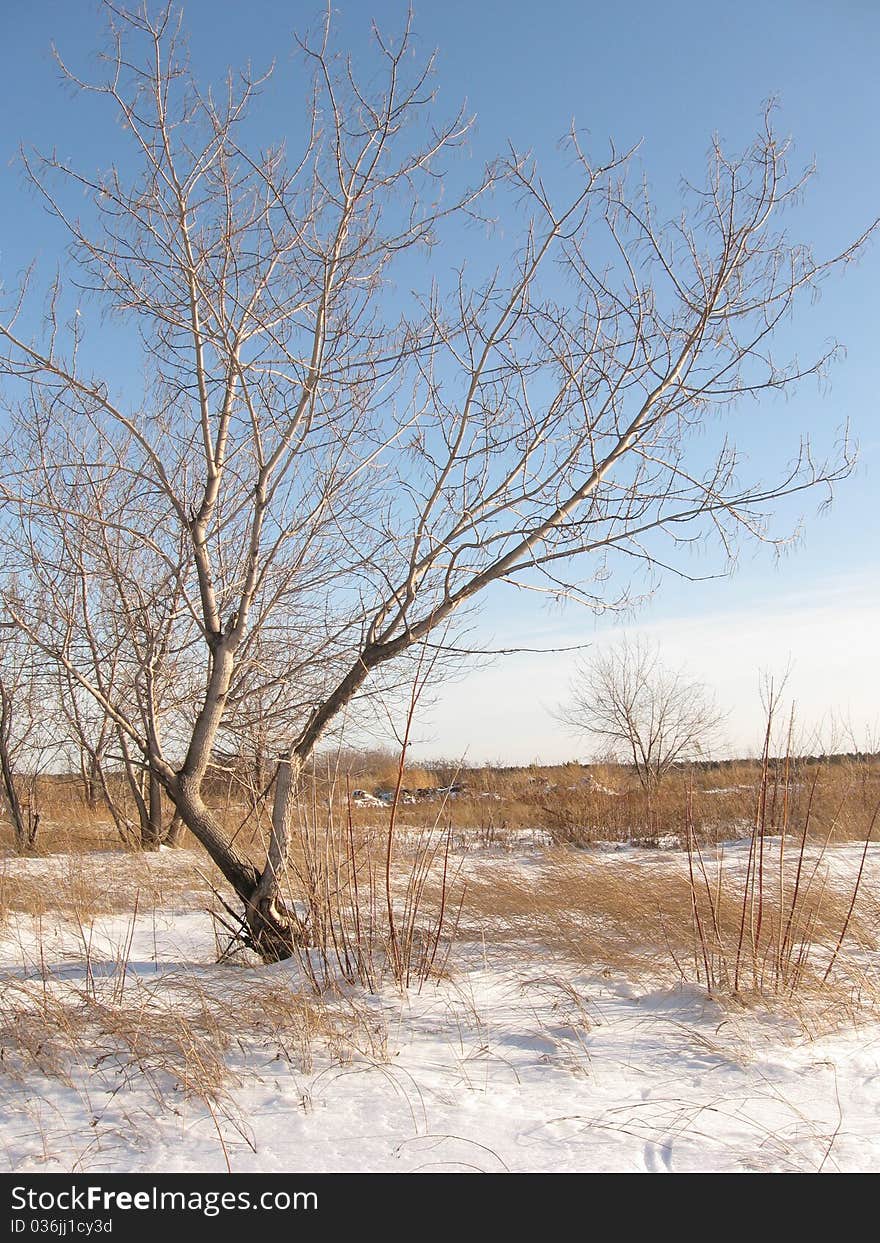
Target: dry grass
column 81, row 886
column 783, row 946
column 715, row 804
column 635, row 917
column 74, row 830
column 773, row 924
column 764, row 928
column 185, row 1036
column 375, row 891
column 581, row 806
column 591, row 909
column 575, row 804
column 374, row 904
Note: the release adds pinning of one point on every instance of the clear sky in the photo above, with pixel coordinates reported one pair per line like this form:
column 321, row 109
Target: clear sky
column 669, row 74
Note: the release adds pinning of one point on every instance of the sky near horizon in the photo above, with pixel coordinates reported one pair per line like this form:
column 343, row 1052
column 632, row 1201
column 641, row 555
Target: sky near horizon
column 669, row 76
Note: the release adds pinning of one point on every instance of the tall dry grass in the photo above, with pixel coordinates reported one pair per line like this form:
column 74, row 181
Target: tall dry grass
column 378, row 894
column 634, row 917
column 755, row 929
column 373, row 904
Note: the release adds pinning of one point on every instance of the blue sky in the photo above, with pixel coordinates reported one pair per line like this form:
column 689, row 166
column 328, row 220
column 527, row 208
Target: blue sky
column 669, row 75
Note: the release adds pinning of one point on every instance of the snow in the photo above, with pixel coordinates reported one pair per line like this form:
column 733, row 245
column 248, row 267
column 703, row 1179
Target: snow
column 515, row 1061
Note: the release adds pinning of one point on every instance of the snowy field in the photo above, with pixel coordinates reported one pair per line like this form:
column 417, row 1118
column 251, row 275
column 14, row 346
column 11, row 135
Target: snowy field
column 127, row 1047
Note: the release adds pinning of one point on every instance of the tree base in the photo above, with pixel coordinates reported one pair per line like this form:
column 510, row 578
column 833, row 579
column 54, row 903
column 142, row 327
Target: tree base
column 271, row 932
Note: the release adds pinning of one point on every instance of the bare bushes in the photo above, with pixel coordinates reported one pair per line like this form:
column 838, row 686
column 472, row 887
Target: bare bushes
column 372, row 903
column 361, row 904
column 368, row 911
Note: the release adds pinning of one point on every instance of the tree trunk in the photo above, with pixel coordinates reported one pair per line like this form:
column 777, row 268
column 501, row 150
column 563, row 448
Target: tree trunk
column 151, row 833
column 24, row 823
column 273, row 931
column 176, row 828
column 93, row 781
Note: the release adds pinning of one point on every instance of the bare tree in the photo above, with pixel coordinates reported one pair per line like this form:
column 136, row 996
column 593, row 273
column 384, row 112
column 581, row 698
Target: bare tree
column 28, row 743
column 317, row 457
column 641, row 711
column 116, row 620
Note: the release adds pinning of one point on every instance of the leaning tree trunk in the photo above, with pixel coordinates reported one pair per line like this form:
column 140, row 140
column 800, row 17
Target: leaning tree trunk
column 273, row 930
column 274, row 926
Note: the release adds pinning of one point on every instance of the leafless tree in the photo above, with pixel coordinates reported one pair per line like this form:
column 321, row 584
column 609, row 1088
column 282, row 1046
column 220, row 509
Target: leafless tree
column 28, row 743
column 114, row 618
column 642, row 712
column 316, row 455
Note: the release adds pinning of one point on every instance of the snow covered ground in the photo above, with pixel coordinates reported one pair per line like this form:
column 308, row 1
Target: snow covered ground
column 516, row 1060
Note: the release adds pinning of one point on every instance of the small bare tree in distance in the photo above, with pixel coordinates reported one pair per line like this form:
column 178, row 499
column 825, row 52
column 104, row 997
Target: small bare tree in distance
column 641, row 711
column 309, row 462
